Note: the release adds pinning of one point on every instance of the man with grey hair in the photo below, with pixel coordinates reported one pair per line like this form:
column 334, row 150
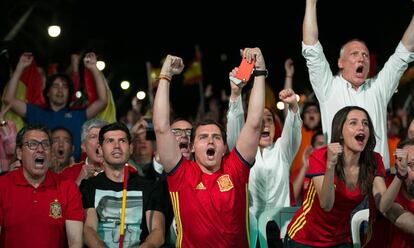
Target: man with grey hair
column 353, row 86
column 92, row 164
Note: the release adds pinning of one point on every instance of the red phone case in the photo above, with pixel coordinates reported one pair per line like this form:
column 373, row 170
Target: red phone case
column 245, row 70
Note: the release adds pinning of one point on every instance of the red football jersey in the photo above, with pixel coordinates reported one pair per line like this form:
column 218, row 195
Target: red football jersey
column 313, row 226
column 211, row 210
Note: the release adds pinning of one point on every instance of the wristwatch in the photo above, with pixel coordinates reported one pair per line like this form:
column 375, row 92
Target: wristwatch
column 401, row 177
column 257, row 73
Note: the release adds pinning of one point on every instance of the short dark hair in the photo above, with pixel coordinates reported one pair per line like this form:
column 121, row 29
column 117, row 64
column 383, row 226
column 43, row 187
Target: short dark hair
column 64, row 129
column 208, row 122
column 31, row 127
column 49, row 83
column 114, row 127
column 180, row 119
column 315, row 134
column 307, row 105
column 406, row 142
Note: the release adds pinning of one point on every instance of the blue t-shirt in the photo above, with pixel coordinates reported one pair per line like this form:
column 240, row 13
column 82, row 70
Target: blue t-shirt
column 69, row 119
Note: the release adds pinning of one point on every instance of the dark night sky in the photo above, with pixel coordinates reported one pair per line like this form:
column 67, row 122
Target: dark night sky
column 126, row 36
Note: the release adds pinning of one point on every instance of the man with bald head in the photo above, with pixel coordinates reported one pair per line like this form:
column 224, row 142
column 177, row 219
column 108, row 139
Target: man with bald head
column 352, row 86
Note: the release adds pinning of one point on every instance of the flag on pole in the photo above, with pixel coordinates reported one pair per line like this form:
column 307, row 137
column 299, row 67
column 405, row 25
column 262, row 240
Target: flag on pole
column 124, row 198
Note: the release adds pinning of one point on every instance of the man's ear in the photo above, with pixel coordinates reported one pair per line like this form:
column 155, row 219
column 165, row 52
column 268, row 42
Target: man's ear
column 131, row 149
column 19, row 153
column 99, row 150
column 340, row 64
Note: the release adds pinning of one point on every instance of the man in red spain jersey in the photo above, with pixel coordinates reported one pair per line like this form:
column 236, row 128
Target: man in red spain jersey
column 37, row 208
column 209, row 195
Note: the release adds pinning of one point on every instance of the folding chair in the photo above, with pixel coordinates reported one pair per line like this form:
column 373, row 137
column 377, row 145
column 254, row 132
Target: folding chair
column 357, row 219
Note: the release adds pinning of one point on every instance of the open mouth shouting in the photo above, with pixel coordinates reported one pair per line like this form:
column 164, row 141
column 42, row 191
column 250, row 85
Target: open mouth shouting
column 360, row 71
column 40, row 162
column 360, row 138
column 265, row 137
column 210, row 153
column 60, row 154
column 184, row 145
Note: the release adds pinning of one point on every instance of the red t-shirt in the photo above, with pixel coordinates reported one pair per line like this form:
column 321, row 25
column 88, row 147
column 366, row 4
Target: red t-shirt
column 72, row 172
column 311, row 225
column 35, row 217
column 211, row 210
column 384, row 233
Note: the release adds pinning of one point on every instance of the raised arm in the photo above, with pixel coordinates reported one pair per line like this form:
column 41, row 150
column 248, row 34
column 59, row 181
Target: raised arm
column 408, row 37
column 324, row 185
column 300, row 178
column 100, row 103
column 249, row 136
column 17, row 105
column 289, row 71
column 310, row 23
column 167, row 146
column 288, row 96
column 235, row 115
column 384, row 197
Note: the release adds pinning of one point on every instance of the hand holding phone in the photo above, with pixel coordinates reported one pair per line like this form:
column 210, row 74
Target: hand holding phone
column 244, row 72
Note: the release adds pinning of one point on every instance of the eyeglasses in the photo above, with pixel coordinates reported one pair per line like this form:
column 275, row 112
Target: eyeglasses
column 181, row 132
column 33, row 144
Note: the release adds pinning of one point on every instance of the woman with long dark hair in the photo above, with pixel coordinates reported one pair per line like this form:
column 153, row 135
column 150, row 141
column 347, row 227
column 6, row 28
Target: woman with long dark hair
column 342, row 174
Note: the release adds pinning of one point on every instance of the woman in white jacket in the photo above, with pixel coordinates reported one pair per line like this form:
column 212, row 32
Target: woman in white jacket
column 269, row 177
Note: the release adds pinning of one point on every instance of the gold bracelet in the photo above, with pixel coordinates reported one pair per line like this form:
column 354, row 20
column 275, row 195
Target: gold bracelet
column 165, row 78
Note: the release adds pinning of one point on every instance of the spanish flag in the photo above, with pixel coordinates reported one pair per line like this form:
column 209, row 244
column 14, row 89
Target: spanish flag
column 109, row 113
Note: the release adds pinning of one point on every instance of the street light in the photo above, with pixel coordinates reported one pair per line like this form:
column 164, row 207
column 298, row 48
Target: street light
column 53, row 31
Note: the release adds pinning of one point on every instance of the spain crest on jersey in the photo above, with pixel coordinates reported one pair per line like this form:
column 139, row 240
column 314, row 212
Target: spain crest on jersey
column 225, row 183
column 55, row 210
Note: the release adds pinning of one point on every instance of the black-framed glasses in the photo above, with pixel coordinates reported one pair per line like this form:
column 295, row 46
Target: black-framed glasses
column 34, row 144
column 180, row 132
